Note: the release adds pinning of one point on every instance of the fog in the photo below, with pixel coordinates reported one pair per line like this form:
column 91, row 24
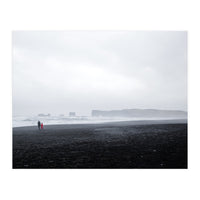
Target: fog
column 61, row 71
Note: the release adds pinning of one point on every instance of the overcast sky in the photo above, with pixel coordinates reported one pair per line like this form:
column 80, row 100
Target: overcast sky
column 61, row 71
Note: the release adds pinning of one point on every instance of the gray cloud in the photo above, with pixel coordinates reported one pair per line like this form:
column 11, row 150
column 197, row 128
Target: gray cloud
column 58, row 71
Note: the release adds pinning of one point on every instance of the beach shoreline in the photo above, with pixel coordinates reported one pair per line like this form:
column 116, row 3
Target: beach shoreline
column 120, row 123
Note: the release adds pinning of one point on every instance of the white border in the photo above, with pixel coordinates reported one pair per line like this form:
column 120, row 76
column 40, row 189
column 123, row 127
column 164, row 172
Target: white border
column 99, row 15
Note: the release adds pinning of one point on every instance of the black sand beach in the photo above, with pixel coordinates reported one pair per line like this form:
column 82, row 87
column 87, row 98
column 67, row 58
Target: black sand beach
column 143, row 144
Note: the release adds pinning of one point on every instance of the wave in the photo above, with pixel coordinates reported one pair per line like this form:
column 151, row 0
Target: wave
column 19, row 121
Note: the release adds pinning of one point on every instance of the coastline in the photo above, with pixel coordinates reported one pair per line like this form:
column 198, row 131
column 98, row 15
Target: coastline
column 133, row 122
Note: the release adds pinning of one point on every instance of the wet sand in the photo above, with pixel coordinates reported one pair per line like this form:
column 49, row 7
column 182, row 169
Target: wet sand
column 142, row 144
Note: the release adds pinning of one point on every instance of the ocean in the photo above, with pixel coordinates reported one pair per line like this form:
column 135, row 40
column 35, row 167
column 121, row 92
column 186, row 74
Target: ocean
column 22, row 120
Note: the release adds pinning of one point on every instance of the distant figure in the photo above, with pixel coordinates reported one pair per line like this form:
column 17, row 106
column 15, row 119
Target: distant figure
column 42, row 126
column 38, row 125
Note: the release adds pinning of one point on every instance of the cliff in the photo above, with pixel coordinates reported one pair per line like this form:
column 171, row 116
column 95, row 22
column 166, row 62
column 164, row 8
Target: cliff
column 140, row 113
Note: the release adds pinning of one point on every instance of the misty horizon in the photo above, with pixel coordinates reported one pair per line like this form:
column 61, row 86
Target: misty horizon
column 90, row 113
column 58, row 72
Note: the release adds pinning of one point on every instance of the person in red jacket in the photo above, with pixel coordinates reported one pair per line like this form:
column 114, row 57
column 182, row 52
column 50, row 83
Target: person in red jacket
column 42, row 125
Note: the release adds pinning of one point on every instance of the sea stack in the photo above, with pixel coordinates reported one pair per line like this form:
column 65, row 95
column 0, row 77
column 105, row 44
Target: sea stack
column 72, row 114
